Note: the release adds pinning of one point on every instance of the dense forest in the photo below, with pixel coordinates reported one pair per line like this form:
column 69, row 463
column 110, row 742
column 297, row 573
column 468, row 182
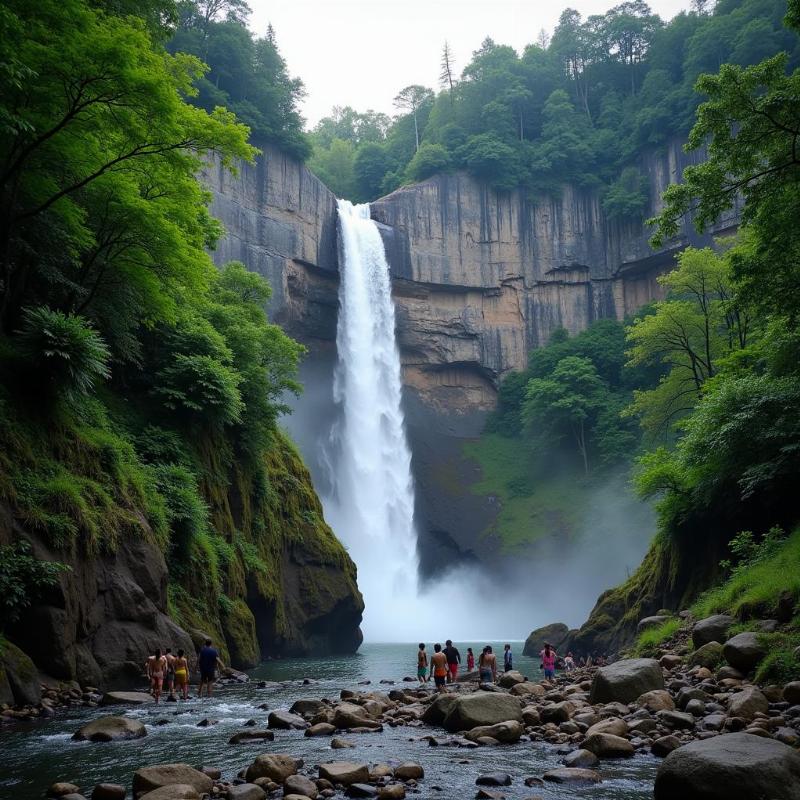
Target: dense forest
column 139, row 384
column 577, row 106
column 700, row 391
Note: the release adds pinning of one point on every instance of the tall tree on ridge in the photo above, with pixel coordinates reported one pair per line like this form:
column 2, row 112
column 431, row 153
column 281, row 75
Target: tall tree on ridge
column 410, row 99
column 446, row 75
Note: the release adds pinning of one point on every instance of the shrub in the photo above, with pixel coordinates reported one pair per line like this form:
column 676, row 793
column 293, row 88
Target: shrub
column 429, row 160
column 627, row 197
column 63, row 350
column 22, row 579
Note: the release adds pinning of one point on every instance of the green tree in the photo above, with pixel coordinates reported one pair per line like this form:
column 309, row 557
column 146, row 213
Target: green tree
column 370, row 166
column 430, row 159
column 412, row 99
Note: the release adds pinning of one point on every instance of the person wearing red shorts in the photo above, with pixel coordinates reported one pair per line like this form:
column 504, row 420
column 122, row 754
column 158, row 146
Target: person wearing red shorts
column 453, row 660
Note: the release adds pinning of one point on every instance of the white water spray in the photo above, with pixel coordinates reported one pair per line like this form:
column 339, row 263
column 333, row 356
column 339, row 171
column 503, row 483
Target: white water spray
column 373, row 503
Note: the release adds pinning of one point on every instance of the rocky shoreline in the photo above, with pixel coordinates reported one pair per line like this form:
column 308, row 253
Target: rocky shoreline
column 695, row 708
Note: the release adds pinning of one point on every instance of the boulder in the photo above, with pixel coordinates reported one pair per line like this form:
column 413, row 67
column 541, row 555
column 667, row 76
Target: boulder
column 556, row 634
column 285, row 720
column 505, row 732
column 676, row 720
column 110, row 729
column 126, row 698
column 606, row 745
column 409, row 771
column 108, row 791
column 395, row 791
column 510, row 678
column 734, row 766
column 575, row 776
column 148, row 779
column 300, row 785
column 670, row 660
column 657, row 700
column 361, row 790
column 528, row 689
column 791, row 693
column 345, row 772
column 246, row 791
column 175, row 791
column 493, row 779
column 625, row 681
column 744, row 651
column 310, row 707
column 321, row 729
column 747, row 702
column 481, row 708
column 557, row 712
column 580, row 759
column 275, row 766
column 712, row 629
column 340, row 744
column 531, row 716
column 709, row 655
column 344, row 718
column 613, row 725
column 435, row 713
column 252, row 735
column 61, row 788
column 664, row 745
column 21, row 675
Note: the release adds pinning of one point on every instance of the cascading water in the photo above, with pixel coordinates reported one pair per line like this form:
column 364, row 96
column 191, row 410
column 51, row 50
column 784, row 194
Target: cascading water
column 372, row 507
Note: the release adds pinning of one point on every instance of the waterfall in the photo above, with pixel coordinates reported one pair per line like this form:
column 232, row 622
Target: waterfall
column 372, row 503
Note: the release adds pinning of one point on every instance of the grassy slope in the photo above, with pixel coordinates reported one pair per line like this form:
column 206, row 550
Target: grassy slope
column 562, row 506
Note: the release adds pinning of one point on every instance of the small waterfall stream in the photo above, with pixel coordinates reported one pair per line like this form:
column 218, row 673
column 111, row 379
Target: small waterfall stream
column 372, row 504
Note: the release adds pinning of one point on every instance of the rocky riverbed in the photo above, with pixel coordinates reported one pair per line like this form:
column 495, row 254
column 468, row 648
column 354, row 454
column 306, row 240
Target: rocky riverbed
column 592, row 733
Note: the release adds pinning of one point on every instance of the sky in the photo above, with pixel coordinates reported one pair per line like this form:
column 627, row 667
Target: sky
column 362, row 52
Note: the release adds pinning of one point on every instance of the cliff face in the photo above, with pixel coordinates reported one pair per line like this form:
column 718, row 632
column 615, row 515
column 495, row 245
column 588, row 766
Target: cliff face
column 481, row 278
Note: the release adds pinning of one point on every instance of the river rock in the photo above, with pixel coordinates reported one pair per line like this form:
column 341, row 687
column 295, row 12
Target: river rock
column 734, row 766
column 343, row 718
column 409, row 771
column 709, row 655
column 528, row 689
column 246, row 791
column 481, row 708
column 676, row 720
column 580, row 759
column 531, row 716
column 251, row 735
column 743, row 651
column 108, row 791
column 494, row 779
column 555, row 634
column 613, row 725
column 301, row 785
column 175, row 791
column 510, row 678
column 61, row 788
column 310, row 707
column 435, row 713
column 21, row 675
column 341, row 744
column 126, row 698
column 572, row 775
column 361, row 790
column 626, row 680
column 285, row 720
column 651, row 622
column 670, row 660
column 657, row 700
column 395, row 791
column 791, row 693
column 345, row 772
column 557, row 712
column 110, row 729
column 321, row 729
column 664, row 745
column 712, row 629
column 275, row 766
column 148, row 779
column 606, row 745
column 747, row 702
column 506, row 732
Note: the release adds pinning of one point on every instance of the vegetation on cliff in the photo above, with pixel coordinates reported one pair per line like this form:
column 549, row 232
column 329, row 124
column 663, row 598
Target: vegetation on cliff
column 140, row 386
column 576, row 107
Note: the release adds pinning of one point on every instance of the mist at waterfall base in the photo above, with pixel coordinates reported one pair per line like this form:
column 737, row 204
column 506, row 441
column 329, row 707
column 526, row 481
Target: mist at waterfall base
column 349, row 424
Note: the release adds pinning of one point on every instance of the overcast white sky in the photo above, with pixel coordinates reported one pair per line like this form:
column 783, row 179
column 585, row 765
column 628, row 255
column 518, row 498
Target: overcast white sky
column 362, row 52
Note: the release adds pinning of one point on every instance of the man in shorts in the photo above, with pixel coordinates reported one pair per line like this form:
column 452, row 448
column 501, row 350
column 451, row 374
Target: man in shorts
column 453, row 660
column 208, row 661
column 422, row 664
column 439, row 668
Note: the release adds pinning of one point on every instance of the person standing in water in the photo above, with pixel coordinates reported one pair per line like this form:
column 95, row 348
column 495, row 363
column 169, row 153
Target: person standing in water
column 453, row 660
column 487, row 665
column 208, row 661
column 439, row 668
column 548, row 662
column 470, row 660
column 182, row 674
column 422, row 664
column 508, row 659
column 169, row 678
column 155, row 667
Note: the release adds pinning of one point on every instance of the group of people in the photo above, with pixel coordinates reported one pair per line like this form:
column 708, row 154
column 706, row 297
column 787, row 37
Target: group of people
column 444, row 664
column 172, row 670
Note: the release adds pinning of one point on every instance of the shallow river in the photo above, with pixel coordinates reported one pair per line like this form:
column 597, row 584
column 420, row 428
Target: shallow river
column 34, row 756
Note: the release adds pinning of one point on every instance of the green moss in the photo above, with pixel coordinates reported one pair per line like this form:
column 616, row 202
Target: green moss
column 239, row 626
